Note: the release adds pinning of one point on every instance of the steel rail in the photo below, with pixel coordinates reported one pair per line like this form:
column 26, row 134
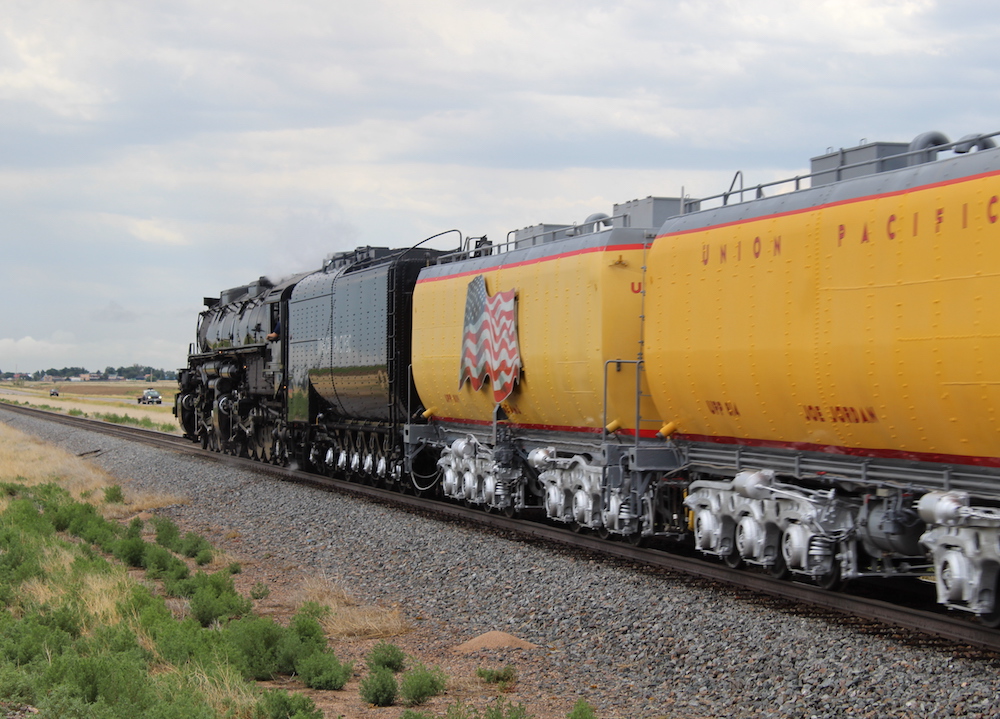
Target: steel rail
column 950, row 627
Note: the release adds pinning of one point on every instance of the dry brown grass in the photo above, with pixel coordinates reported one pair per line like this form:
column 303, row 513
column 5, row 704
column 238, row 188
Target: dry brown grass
column 27, row 460
column 220, row 560
column 102, row 595
column 34, row 592
column 225, row 691
column 347, row 617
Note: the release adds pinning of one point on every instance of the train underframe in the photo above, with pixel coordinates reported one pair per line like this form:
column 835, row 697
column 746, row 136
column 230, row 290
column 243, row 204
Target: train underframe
column 771, row 511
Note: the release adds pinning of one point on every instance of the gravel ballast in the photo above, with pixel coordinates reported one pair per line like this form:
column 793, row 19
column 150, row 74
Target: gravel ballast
column 633, row 642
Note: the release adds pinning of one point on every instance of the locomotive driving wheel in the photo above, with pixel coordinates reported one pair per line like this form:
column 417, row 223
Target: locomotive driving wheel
column 260, row 440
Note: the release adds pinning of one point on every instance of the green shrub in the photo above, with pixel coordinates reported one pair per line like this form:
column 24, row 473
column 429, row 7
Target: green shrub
column 260, row 591
column 30, row 639
column 134, row 529
column 420, row 684
column 117, row 679
column 277, row 704
column 322, row 670
column 314, row 610
column 386, row 655
column 414, row 714
column 203, row 557
column 581, row 710
column 219, row 582
column 505, row 677
column 180, row 642
column 18, row 562
column 157, row 561
column 309, row 630
column 85, row 523
column 23, row 513
column 192, row 544
column 114, row 495
column 167, row 533
column 63, row 515
column 68, row 618
column 15, row 685
column 77, row 413
column 213, row 596
column 130, row 550
column 253, row 643
column 208, row 606
column 379, row 687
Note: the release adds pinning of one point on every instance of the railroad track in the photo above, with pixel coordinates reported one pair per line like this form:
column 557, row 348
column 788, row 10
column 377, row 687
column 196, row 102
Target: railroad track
column 882, row 616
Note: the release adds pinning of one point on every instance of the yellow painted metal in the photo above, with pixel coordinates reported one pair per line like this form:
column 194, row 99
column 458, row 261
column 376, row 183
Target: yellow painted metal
column 575, row 311
column 868, row 324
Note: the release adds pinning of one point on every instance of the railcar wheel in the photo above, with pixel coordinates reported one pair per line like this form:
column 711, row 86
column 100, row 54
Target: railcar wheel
column 991, row 619
column 733, row 560
column 636, row 538
column 832, row 580
column 779, row 570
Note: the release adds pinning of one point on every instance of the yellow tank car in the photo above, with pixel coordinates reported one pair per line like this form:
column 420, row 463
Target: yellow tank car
column 561, row 310
column 855, row 318
column 831, row 360
column 528, row 364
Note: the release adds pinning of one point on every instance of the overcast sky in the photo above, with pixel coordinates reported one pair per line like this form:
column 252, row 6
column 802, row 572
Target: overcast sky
column 154, row 153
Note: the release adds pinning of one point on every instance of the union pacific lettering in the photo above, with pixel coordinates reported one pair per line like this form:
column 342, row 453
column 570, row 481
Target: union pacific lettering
column 755, row 248
column 934, row 221
column 970, row 206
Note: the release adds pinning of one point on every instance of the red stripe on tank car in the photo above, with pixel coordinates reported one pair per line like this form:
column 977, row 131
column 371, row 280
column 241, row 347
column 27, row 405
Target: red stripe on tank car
column 839, row 203
column 547, row 427
column 931, row 457
column 537, row 260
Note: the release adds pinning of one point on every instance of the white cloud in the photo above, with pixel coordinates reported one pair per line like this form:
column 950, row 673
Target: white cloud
column 154, row 153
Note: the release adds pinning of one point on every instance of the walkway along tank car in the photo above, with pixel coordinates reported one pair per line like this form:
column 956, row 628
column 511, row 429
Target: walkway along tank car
column 805, row 381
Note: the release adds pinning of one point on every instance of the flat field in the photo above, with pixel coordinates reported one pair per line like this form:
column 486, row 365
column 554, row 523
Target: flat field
column 94, row 398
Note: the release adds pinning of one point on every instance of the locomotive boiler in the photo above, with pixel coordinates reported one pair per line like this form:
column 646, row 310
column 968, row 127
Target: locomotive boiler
column 801, row 380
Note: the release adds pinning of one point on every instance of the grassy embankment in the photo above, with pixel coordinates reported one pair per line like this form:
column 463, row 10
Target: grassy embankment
column 86, row 634
column 107, row 615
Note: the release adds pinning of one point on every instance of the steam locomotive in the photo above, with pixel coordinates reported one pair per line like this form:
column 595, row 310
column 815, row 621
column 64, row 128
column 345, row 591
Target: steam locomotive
column 801, row 376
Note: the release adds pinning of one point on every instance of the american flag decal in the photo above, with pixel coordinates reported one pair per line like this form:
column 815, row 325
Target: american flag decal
column 489, row 341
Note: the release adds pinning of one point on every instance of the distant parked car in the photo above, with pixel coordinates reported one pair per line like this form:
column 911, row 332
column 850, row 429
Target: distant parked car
column 150, row 396
column 53, row 392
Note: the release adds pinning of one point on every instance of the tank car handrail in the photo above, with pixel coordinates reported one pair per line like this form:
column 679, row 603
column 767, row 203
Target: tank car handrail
column 510, row 245
column 912, row 156
column 639, row 368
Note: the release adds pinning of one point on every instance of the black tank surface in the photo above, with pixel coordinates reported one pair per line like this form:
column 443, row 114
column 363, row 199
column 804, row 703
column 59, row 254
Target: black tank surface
column 344, row 357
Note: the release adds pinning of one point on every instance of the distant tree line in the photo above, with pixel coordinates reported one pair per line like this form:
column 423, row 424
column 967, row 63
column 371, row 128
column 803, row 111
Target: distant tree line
column 133, row 372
